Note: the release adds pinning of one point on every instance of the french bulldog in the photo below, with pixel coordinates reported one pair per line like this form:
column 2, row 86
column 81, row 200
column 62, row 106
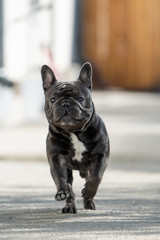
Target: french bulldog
column 77, row 138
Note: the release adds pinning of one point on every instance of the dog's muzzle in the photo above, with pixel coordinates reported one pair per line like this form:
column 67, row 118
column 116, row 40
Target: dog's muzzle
column 66, row 103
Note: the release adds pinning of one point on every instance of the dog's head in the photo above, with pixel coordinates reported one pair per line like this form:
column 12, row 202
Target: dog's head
column 68, row 105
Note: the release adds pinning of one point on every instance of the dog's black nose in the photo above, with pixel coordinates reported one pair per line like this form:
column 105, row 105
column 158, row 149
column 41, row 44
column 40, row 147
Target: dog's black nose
column 66, row 103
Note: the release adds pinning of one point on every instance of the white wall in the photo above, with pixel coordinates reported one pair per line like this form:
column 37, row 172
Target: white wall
column 28, row 33
column 25, row 32
column 30, row 36
column 63, row 16
column 15, row 40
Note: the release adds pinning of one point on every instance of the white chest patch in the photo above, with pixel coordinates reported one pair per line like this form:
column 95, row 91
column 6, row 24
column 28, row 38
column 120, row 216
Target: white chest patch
column 78, row 146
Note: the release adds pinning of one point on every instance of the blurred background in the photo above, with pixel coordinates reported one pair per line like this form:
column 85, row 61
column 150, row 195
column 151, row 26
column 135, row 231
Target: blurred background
column 119, row 37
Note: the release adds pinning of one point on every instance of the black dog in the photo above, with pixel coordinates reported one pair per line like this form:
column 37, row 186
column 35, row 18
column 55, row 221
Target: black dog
column 77, row 138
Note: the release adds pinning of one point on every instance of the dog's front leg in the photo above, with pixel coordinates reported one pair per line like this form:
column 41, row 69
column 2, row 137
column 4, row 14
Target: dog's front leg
column 61, row 178
column 93, row 181
column 58, row 170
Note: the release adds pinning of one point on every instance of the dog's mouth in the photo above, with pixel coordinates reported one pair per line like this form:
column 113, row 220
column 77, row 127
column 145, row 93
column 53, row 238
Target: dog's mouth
column 71, row 121
column 68, row 120
column 67, row 117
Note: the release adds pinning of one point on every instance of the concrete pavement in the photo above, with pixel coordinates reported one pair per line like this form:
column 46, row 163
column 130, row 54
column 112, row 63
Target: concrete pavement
column 128, row 201
column 128, row 205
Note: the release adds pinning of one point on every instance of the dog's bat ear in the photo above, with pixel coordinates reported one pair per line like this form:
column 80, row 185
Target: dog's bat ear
column 85, row 75
column 48, row 77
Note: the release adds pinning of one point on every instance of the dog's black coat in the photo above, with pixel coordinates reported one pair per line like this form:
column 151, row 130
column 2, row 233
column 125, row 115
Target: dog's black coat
column 71, row 113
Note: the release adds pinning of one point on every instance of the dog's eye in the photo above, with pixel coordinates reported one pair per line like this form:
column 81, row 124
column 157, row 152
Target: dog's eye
column 52, row 100
column 80, row 99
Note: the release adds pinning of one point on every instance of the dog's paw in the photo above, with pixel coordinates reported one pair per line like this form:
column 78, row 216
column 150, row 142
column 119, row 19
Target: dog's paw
column 69, row 208
column 89, row 204
column 62, row 195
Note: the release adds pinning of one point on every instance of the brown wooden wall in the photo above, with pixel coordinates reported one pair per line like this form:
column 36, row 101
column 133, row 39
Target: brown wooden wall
column 122, row 39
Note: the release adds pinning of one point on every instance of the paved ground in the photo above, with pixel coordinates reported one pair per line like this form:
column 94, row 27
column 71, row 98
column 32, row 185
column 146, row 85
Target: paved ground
column 128, row 201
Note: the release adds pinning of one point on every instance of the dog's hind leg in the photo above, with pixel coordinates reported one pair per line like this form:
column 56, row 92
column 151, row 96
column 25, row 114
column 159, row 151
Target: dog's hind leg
column 70, row 201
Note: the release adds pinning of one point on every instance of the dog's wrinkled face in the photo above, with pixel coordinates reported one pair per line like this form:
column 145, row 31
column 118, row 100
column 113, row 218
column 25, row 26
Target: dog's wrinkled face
column 68, row 105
